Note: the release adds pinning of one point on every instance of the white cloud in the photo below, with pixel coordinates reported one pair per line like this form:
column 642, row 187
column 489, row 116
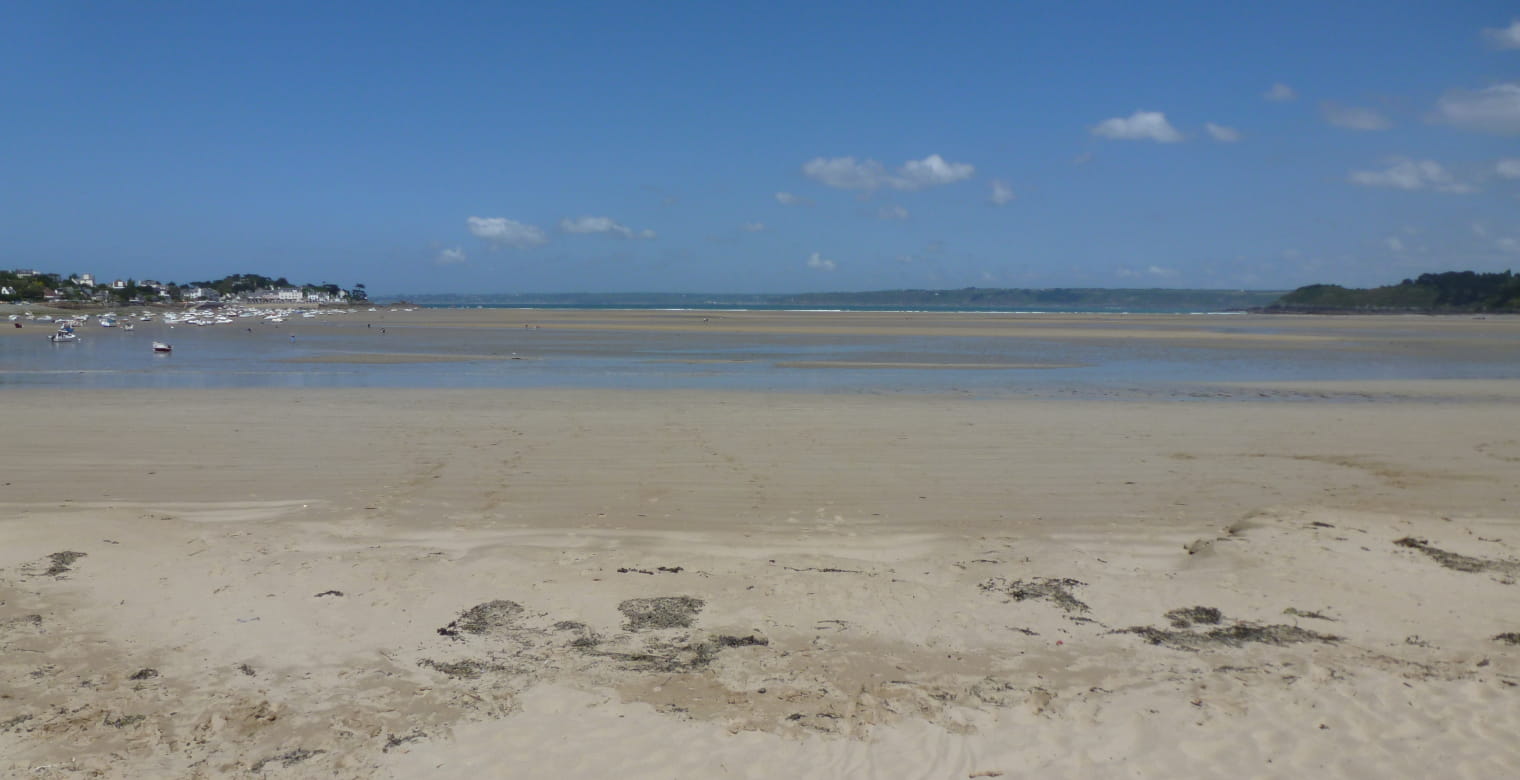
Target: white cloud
column 1508, row 167
column 1353, row 117
column 1507, row 245
column 1479, row 230
column 932, row 171
column 1280, row 93
column 752, row 227
column 1222, row 134
column 1493, row 109
column 501, row 231
column 1504, row 37
column 1402, row 174
column 817, row 262
column 847, row 173
column 450, row 256
column 1082, row 159
column 892, row 213
column 1395, row 243
column 1001, row 192
column 602, row 225
column 788, row 199
column 1157, row 270
column 1139, row 126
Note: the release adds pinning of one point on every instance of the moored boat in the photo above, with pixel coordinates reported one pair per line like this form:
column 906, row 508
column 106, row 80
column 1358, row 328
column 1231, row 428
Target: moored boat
column 159, row 346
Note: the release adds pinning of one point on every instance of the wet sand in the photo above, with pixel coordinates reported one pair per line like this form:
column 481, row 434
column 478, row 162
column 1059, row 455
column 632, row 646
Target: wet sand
column 687, row 583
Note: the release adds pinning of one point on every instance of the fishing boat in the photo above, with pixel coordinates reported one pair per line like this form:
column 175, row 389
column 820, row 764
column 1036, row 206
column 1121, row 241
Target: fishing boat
column 159, row 346
column 65, row 335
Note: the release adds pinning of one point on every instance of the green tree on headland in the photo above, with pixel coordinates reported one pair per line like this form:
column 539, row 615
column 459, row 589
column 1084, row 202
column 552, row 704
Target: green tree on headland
column 1450, row 292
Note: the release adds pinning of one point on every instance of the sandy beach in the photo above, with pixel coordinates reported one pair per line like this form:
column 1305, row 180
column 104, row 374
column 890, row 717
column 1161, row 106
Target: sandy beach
column 1316, row 577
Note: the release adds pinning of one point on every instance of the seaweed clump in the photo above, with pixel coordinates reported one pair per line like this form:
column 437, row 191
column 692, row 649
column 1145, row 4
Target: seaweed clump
column 287, row 759
column 483, row 618
column 464, row 670
column 660, row 612
column 1185, row 617
column 1237, row 635
column 61, row 562
column 1056, row 589
column 1457, row 561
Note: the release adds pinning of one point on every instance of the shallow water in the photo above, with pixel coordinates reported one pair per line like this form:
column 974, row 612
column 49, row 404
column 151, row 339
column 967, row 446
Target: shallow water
column 495, row 357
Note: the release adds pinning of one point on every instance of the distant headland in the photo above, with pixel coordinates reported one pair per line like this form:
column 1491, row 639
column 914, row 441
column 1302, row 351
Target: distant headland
column 1452, row 292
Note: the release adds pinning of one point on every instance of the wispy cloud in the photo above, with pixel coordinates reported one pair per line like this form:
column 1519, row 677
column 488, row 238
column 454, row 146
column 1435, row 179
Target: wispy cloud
column 450, row 256
column 847, row 173
column 605, row 225
column 1001, row 193
column 1280, row 93
column 752, row 227
column 1493, row 109
column 1508, row 168
column 932, row 171
column 1405, row 174
column 1504, row 37
column 1139, row 126
column 818, row 262
column 1353, row 117
column 892, row 213
column 1222, row 134
column 788, row 199
column 500, row 231
column 1153, row 270
column 1507, row 245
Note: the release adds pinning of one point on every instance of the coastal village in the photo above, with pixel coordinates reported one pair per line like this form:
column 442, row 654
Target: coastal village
column 33, row 286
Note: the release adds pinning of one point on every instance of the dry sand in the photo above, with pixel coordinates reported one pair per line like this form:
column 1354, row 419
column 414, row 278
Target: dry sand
column 568, row 584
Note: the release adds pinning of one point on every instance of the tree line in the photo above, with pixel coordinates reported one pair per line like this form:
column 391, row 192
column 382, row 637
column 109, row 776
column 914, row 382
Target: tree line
column 1448, row 292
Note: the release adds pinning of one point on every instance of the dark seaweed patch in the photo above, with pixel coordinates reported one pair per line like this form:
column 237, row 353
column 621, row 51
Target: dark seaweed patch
column 1237, row 635
column 287, row 759
column 1184, row 617
column 1055, row 589
column 61, row 562
column 483, row 618
column 465, row 670
column 1458, row 562
column 660, row 612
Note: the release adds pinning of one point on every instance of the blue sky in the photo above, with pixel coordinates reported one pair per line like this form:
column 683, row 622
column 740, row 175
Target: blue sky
column 736, row 147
